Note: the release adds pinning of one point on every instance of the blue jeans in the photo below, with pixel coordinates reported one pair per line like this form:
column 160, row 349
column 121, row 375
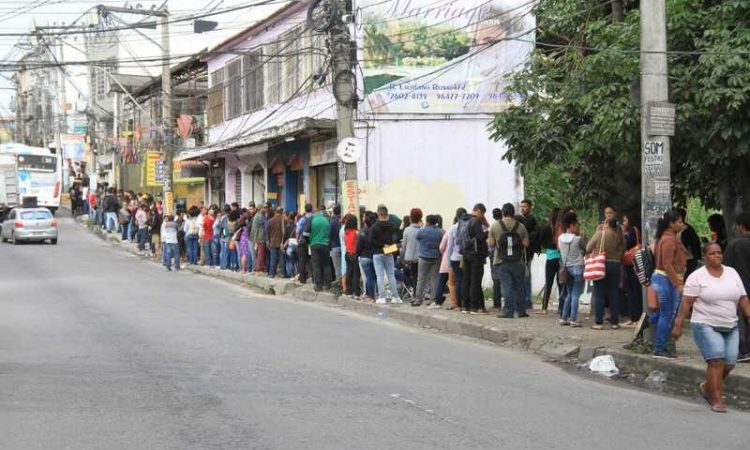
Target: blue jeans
column 224, row 253
column 274, row 261
column 125, row 231
column 497, row 288
column 385, row 267
column 368, row 268
column 208, row 259
column 716, row 345
column 216, row 250
column 191, row 242
column 669, row 303
column 111, row 221
column 233, row 258
column 172, row 252
column 574, row 290
column 250, row 255
column 291, row 260
column 144, row 237
column 458, row 275
column 608, row 287
column 512, row 280
column 527, row 285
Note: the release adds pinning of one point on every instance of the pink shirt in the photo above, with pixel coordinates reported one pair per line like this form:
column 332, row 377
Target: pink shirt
column 717, row 297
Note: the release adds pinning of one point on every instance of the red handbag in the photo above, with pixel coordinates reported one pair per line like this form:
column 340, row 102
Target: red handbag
column 629, row 257
column 595, row 267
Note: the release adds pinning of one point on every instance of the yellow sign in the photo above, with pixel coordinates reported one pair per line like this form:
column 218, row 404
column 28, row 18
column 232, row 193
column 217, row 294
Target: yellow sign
column 168, row 203
column 350, row 197
column 272, row 195
column 152, row 161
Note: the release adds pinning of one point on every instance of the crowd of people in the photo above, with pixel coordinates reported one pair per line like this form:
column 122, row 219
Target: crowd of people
column 381, row 258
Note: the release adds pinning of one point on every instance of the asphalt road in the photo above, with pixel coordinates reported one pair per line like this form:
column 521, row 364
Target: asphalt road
column 102, row 351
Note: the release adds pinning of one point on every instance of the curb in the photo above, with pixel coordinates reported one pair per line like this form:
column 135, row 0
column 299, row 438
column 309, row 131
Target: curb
column 681, row 377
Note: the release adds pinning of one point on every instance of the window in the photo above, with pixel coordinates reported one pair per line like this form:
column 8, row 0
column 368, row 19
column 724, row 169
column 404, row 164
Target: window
column 252, row 70
column 100, row 78
column 233, row 89
column 215, row 104
column 318, row 52
column 238, row 186
column 292, row 45
column 273, row 73
column 36, row 215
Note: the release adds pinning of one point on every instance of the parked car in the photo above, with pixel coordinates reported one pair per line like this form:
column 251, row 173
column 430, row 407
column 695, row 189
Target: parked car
column 29, row 224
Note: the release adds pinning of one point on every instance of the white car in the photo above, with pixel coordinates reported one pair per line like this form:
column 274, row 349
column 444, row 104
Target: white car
column 28, row 225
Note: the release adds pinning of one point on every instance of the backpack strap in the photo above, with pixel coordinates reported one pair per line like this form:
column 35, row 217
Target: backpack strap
column 502, row 225
column 515, row 227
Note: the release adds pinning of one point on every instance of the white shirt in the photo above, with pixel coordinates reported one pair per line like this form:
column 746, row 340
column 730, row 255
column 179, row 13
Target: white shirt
column 717, row 297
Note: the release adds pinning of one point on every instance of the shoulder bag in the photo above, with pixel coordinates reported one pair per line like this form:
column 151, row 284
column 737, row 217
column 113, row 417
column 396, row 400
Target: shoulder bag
column 629, row 257
column 595, row 267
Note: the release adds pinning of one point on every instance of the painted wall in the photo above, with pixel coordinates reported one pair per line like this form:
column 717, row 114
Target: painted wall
column 436, row 165
column 245, row 164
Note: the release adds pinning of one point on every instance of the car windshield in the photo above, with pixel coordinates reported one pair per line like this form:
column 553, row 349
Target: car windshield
column 36, row 215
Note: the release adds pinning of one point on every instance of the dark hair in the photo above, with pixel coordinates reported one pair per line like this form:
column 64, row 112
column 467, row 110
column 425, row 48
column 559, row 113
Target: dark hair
column 308, row 207
column 460, row 212
column 382, row 210
column 497, row 213
column 683, row 213
column 415, row 215
column 613, row 223
column 743, row 220
column 431, row 219
column 439, row 219
column 370, row 218
column 707, row 245
column 666, row 220
column 528, row 202
column 194, row 211
column 716, row 224
column 554, row 216
column 406, row 221
column 569, row 219
column 336, row 210
column 509, row 210
column 350, row 222
column 609, row 205
column 480, row 207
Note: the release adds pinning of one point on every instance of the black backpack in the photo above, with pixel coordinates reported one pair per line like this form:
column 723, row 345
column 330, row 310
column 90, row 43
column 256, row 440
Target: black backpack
column 465, row 243
column 510, row 247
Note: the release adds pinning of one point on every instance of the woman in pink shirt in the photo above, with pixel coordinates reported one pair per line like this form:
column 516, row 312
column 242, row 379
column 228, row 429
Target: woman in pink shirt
column 713, row 292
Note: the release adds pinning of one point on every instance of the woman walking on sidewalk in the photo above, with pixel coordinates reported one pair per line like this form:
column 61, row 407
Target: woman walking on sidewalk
column 714, row 292
column 609, row 240
column 667, row 280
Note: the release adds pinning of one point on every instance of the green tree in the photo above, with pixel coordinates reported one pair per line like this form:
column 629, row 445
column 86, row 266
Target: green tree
column 573, row 113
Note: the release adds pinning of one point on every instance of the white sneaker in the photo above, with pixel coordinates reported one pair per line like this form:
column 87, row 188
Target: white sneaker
column 434, row 306
column 381, row 301
column 396, row 301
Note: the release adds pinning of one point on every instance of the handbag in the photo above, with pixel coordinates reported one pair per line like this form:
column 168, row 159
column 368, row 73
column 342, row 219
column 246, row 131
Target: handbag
column 595, row 267
column 628, row 259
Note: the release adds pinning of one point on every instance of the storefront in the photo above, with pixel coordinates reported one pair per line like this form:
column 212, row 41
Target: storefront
column 325, row 173
column 288, row 166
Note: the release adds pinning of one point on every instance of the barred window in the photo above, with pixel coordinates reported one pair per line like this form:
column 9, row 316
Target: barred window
column 215, row 104
column 273, row 73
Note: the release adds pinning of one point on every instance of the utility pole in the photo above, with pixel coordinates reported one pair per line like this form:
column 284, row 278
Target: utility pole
column 166, row 112
column 657, row 119
column 335, row 17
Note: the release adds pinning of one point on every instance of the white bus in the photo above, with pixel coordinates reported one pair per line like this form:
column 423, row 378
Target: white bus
column 38, row 174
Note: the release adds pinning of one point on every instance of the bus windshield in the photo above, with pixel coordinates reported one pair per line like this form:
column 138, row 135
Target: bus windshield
column 37, row 163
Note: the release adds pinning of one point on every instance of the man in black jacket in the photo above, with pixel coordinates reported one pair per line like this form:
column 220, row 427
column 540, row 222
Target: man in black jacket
column 111, row 208
column 737, row 256
column 474, row 251
column 529, row 222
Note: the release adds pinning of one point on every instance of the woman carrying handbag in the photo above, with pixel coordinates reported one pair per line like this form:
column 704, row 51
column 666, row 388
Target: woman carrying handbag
column 633, row 291
column 611, row 247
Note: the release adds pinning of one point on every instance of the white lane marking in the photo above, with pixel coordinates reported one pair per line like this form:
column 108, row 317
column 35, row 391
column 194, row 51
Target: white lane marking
column 425, row 410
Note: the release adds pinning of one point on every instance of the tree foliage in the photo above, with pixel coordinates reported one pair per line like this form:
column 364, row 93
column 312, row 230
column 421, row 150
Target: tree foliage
column 574, row 115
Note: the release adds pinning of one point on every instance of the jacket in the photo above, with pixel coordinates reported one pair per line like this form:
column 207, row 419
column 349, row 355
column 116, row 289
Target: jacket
column 429, row 239
column 476, row 232
column 333, row 235
column 572, row 249
column 276, row 231
column 614, row 244
column 409, row 244
column 258, row 229
column 737, row 256
column 364, row 244
column 319, row 230
column 671, row 257
column 382, row 233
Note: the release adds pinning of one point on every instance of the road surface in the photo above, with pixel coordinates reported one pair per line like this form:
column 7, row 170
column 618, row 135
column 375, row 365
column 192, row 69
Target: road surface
column 99, row 350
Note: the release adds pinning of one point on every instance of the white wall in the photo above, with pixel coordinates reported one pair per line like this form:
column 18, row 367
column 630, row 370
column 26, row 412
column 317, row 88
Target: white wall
column 437, row 165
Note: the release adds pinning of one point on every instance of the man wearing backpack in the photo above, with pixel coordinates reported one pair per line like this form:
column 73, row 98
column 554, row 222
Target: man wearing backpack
column 472, row 241
column 528, row 220
column 511, row 241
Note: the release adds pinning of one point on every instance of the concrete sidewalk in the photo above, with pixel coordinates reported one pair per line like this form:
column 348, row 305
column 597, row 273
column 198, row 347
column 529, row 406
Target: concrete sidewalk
column 538, row 334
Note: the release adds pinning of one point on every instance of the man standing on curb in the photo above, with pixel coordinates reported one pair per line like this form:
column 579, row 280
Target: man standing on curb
column 258, row 236
column 529, row 221
column 275, row 238
column 737, row 256
column 335, row 240
column 303, row 245
column 410, row 251
column 511, row 240
column 111, row 207
column 472, row 240
column 317, row 232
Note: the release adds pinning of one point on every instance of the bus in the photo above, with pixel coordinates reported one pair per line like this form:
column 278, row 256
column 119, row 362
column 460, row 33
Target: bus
column 38, row 174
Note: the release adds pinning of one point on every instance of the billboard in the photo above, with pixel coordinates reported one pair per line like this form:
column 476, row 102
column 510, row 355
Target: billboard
column 442, row 56
column 74, row 147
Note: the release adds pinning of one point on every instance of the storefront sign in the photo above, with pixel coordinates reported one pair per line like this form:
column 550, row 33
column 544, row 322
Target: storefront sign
column 349, row 150
column 74, row 147
column 661, row 119
column 350, row 198
column 153, row 160
column 168, row 203
column 458, row 62
column 322, row 152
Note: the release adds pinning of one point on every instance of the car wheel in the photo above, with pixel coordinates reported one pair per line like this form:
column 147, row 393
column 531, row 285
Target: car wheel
column 3, row 238
column 53, row 241
column 15, row 241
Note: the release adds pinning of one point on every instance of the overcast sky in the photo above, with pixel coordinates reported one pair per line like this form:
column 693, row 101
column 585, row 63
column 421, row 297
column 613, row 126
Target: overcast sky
column 18, row 16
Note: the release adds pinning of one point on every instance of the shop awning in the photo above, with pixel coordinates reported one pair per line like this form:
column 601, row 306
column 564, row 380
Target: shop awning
column 252, row 140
